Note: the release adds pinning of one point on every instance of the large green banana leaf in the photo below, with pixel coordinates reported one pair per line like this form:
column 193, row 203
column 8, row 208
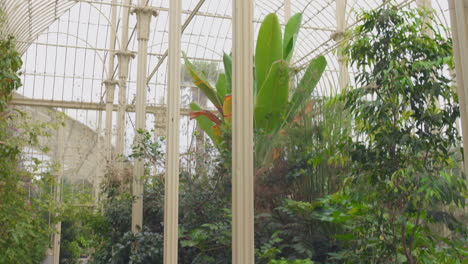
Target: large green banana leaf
column 306, row 86
column 269, row 49
column 290, row 35
column 272, row 98
column 221, row 86
column 272, row 110
column 204, row 122
column 227, row 61
column 200, row 81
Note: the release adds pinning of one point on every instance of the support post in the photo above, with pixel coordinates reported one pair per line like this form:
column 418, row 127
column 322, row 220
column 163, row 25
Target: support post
column 287, row 10
column 101, row 157
column 124, row 57
column 427, row 5
column 171, row 181
column 343, row 78
column 110, row 84
column 110, row 90
column 160, row 124
column 242, row 135
column 144, row 14
column 458, row 11
column 58, row 194
column 424, row 3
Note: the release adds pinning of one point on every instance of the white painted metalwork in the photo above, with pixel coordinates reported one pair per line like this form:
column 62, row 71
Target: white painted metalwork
column 21, row 101
column 110, row 90
column 58, row 197
column 27, row 19
column 243, row 246
column 171, row 180
column 459, row 19
column 424, row 3
column 110, row 83
column 65, row 45
column 341, row 25
column 124, row 57
column 144, row 14
column 287, row 10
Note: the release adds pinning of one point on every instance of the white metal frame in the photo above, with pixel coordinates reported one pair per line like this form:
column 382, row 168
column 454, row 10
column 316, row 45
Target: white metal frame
column 242, row 160
column 144, row 14
column 458, row 14
column 171, row 181
column 243, row 246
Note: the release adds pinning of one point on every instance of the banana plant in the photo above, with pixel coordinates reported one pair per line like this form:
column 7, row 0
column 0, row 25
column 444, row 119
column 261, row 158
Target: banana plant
column 274, row 106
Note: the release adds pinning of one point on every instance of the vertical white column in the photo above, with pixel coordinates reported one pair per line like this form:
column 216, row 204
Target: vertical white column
column 110, row 84
column 144, row 14
column 171, row 182
column 424, row 3
column 160, row 123
column 343, row 78
column 124, row 58
column 58, row 193
column 459, row 22
column 287, row 10
column 101, row 157
column 243, row 250
column 110, row 90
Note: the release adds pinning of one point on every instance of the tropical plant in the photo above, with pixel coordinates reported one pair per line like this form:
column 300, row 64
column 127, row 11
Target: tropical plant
column 274, row 107
column 139, row 248
column 25, row 190
column 202, row 199
column 315, row 162
column 405, row 154
column 81, row 223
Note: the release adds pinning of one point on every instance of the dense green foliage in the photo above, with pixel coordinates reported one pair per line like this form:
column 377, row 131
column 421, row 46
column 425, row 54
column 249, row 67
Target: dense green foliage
column 204, row 219
column 204, row 224
column 405, row 156
column 25, row 200
column 81, row 223
column 370, row 176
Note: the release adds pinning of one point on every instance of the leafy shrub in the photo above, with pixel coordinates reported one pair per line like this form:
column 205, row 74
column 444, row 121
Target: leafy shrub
column 204, row 225
column 25, row 199
column 81, row 223
column 405, row 156
column 139, row 248
column 397, row 152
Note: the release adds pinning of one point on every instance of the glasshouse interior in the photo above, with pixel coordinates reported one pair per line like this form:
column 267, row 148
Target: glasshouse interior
column 233, row 131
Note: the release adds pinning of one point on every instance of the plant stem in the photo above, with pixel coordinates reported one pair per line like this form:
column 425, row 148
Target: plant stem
column 407, row 251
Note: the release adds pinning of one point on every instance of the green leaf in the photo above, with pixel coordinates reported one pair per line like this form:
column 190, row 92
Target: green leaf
column 290, row 35
column 306, row 86
column 227, row 61
column 200, row 81
column 272, row 98
column 345, row 237
column 204, row 122
column 269, row 49
column 221, row 86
